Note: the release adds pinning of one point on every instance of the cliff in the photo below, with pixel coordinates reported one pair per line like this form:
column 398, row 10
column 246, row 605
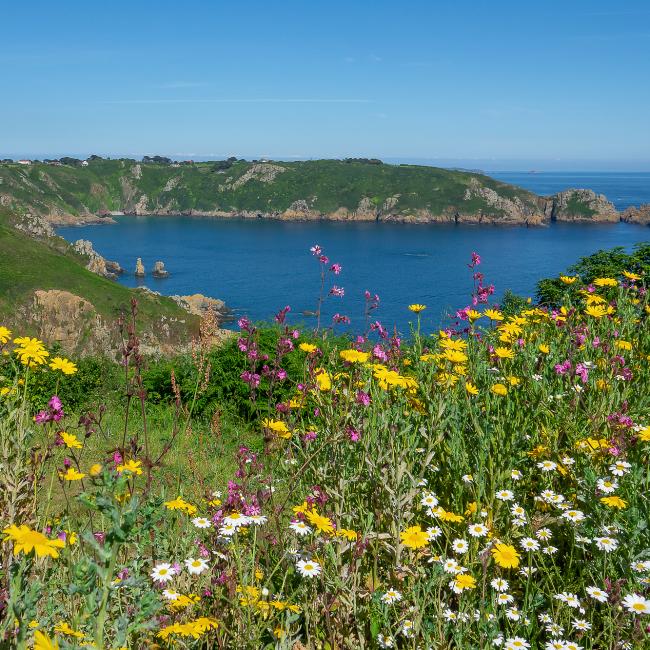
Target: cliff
column 320, row 189
column 640, row 215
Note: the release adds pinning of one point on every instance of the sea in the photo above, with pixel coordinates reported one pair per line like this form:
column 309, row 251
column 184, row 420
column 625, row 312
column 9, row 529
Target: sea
column 260, row 267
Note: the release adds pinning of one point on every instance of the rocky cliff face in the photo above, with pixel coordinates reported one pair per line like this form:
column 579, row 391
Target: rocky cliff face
column 96, row 263
column 580, row 205
column 639, row 216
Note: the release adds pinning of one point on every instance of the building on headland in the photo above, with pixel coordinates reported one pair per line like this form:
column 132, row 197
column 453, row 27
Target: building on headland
column 84, row 163
column 24, row 162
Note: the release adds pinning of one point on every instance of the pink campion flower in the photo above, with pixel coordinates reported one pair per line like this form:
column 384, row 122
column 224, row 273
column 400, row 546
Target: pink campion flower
column 309, row 436
column 117, row 458
column 378, row 353
column 323, row 259
column 583, row 372
column 337, row 291
column 336, row 268
column 251, row 378
column 243, row 323
column 362, row 398
column 476, row 260
column 295, row 334
column 462, row 314
column 282, row 314
column 360, row 340
column 563, row 368
column 282, row 407
column 42, row 417
column 316, row 250
column 55, row 403
column 596, row 342
column 354, row 435
column 242, row 344
column 281, row 374
column 340, row 318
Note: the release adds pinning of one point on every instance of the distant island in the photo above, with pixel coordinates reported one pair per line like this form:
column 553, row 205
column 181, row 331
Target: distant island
column 70, row 191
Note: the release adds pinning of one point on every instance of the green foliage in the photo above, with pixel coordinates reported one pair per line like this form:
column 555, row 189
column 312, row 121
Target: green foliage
column 602, row 264
column 511, row 303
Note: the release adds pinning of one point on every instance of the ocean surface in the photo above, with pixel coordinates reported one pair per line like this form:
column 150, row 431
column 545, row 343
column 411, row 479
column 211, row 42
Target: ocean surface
column 259, row 267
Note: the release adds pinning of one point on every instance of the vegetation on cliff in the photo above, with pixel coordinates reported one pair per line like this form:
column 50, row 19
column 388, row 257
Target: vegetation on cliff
column 333, row 189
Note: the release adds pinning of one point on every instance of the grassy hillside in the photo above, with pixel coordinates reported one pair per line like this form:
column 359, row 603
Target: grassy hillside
column 28, row 265
column 324, row 185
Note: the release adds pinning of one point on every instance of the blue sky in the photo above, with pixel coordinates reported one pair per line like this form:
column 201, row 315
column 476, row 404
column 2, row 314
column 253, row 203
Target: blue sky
column 517, row 84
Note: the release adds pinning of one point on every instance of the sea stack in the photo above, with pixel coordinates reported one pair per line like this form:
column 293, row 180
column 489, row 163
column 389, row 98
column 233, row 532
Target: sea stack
column 139, row 268
column 159, row 270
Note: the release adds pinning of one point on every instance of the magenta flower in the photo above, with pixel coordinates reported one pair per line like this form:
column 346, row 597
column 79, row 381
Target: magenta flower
column 336, row 268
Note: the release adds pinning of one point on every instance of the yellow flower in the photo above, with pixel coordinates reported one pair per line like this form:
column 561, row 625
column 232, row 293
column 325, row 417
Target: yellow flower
column 31, row 352
column 350, row 535
column 95, row 470
column 452, row 344
column 132, row 466
column 25, row 540
column 464, row 581
column 447, row 515
column 614, row 502
column 596, row 311
column 470, row 388
column 644, row 434
column 568, row 279
column 623, row 345
column 354, row 356
column 308, row 347
column 493, row 314
column 499, row 389
column 543, row 348
column 473, row 315
column 5, row 334
column 33, row 624
column 513, row 381
column 414, row 537
column 505, row 556
column 455, row 356
column 323, row 379
column 70, row 440
column 43, row 642
column 631, row 276
column 63, row 628
column 64, row 365
column 605, row 282
column 504, row 353
column 323, row 524
column 71, row 475
column 278, row 427
column 417, row 308
column 180, row 504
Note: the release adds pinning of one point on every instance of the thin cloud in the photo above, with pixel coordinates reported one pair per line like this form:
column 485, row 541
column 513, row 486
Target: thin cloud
column 232, row 100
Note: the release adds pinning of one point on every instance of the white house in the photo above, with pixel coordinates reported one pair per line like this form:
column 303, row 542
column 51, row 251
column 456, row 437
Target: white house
column 24, row 162
column 84, row 163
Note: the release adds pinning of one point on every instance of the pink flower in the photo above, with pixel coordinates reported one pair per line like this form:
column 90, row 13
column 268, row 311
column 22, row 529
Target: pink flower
column 336, row 268
column 362, row 398
column 337, row 291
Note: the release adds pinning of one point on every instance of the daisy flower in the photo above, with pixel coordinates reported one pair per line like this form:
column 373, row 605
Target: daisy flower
column 504, row 599
column 516, row 643
column 581, row 625
column 434, row 532
column 429, row 500
column 636, row 604
column 170, row 594
column 529, row 544
column 544, row 534
column 236, row 519
column 547, row 465
column 574, row 515
column 505, row 495
column 163, row 572
column 516, row 475
column 201, row 522
column 300, row 527
column 227, row 530
column 460, row 546
column 391, row 596
column 607, row 485
column 308, row 568
column 258, row 520
column 478, row 530
column 195, row 567
column 607, row 544
column 620, row 468
column 499, row 584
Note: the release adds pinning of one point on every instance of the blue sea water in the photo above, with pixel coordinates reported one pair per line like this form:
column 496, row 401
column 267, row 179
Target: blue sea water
column 258, row 267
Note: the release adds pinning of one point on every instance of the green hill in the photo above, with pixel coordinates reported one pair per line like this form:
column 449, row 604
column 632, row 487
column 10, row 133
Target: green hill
column 317, row 189
column 46, row 291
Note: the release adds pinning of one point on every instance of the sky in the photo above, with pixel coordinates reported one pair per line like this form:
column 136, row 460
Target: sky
column 494, row 85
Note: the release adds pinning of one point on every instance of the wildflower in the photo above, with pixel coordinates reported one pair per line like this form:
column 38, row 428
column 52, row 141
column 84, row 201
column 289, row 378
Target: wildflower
column 529, row 544
column 321, row 523
column 71, row 474
column 478, row 530
column 130, row 466
column 429, row 500
column 43, row 642
column 516, row 643
column 414, row 537
column 462, row 582
column 30, row 351
column 308, row 569
column 504, row 599
column 27, row 540
column 195, row 567
column 163, row 572
column 433, row 532
column 499, row 389
column 308, row 347
column 605, row 282
column 565, row 279
column 607, row 544
column 493, row 314
column 499, row 584
column 543, row 348
column 516, row 475
column 580, row 624
column 63, row 628
column 597, row 594
column 574, row 515
column 417, row 308
column 460, row 546
column 5, row 334
column 597, row 311
column 471, row 388
column 300, row 527
column 180, row 504
column 64, row 365
column 631, row 276
column 257, row 520
column 95, row 470
column 228, row 530
column 505, row 495
column 201, row 522
column 354, row 356
column 620, row 468
column 569, row 599
column 505, row 556
column 606, row 485
column 278, row 427
column 391, row 596
column 236, row 519
column 614, row 502
column 323, row 380
column 636, row 604
column 504, row 353
column 544, row 534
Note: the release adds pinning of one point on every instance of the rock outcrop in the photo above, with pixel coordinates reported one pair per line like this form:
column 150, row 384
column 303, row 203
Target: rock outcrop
column 639, row 216
column 579, row 206
column 159, row 270
column 199, row 304
column 96, row 263
column 139, row 268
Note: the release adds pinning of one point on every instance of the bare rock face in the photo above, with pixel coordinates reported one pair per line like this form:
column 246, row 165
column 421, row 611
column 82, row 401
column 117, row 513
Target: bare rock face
column 159, row 270
column 139, row 268
column 199, row 304
column 513, row 210
column 35, row 226
column 580, row 205
column 96, row 263
column 639, row 216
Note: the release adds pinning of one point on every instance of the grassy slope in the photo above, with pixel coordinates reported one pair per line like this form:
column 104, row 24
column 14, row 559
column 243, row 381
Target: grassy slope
column 326, row 184
column 27, row 264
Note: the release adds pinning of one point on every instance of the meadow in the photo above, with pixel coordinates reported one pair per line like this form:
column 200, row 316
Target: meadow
column 485, row 485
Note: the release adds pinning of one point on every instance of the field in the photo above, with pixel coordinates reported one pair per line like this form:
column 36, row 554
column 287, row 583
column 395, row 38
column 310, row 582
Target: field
column 486, row 485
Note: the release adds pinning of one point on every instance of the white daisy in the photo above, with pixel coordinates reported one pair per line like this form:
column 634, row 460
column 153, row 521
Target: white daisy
column 529, row 544
column 391, row 596
column 504, row 599
column 516, row 643
column 300, row 527
column 554, row 644
column 607, row 485
column 620, row 468
column 163, row 572
column 227, row 530
column 195, row 567
column 597, row 594
column 478, row 530
column 547, row 465
column 550, row 550
column 201, row 522
column 513, row 614
column 170, row 594
column 641, row 566
column 258, row 520
column 500, row 584
column 607, row 544
column 236, row 519
column 516, row 475
column 433, row 532
column 505, row 495
column 581, row 625
column 636, row 604
column 429, row 500
column 574, row 515
column 460, row 546
column 544, row 534
column 308, row 568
